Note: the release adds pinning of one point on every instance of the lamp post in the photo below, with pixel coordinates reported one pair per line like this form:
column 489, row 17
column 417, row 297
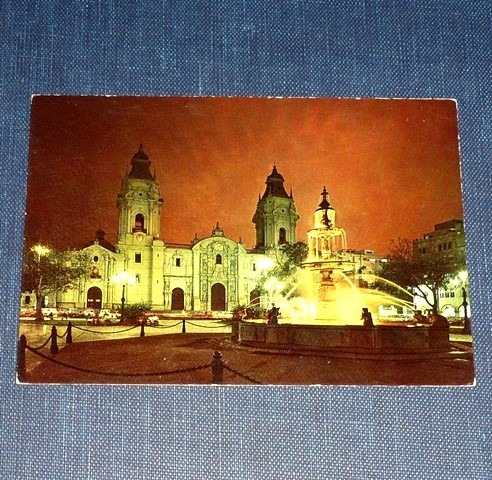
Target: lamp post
column 123, row 278
column 467, row 324
column 40, row 251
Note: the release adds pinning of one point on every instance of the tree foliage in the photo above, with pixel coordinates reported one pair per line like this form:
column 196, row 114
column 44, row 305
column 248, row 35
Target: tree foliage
column 421, row 273
column 288, row 259
column 52, row 271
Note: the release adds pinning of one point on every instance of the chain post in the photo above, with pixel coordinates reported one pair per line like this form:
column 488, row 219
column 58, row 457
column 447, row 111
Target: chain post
column 217, row 368
column 142, row 329
column 183, row 328
column 69, row 333
column 21, row 359
column 54, row 344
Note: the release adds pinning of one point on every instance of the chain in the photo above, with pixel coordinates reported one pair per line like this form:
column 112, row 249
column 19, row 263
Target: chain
column 105, row 333
column 39, row 348
column 246, row 377
column 119, row 374
column 166, row 326
column 61, row 336
column 203, row 326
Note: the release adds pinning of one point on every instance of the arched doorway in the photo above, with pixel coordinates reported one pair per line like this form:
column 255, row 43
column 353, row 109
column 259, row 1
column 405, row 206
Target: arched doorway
column 94, row 298
column 218, row 298
column 177, row 299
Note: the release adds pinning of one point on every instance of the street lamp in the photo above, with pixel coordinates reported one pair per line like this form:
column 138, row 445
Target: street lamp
column 40, row 251
column 123, row 278
column 466, row 325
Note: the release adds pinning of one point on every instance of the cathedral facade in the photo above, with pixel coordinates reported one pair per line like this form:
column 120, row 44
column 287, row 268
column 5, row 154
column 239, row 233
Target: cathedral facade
column 208, row 274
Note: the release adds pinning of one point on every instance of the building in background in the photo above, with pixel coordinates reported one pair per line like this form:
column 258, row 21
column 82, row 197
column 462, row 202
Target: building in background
column 447, row 238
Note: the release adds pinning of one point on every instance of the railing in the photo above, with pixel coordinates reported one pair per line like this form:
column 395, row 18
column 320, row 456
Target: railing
column 217, row 365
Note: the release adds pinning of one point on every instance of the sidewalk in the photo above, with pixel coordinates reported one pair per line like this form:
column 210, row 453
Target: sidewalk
column 139, row 358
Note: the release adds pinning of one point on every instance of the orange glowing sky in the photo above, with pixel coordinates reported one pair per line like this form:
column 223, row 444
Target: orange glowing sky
column 391, row 166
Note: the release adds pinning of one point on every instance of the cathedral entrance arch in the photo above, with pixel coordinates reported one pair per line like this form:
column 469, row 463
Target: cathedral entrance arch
column 218, row 297
column 94, row 298
column 177, row 299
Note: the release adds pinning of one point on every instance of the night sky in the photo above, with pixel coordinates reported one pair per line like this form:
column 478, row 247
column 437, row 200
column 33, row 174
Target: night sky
column 391, row 166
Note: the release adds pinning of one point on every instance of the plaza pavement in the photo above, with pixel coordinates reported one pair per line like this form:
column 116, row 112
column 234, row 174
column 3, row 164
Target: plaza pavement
column 138, row 359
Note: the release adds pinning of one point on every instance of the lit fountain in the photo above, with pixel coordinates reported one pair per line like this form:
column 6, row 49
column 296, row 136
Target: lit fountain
column 323, row 291
column 323, row 307
column 324, row 275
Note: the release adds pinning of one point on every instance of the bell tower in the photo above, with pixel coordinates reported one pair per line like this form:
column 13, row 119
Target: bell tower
column 276, row 217
column 139, row 204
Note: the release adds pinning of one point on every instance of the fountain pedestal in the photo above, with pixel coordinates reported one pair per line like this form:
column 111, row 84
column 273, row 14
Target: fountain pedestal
column 326, row 291
column 380, row 339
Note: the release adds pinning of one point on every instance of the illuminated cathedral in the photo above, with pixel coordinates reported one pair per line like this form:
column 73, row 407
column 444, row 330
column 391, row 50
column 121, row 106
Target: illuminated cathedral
column 214, row 273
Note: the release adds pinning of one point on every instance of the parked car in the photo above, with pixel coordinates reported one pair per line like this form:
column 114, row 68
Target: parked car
column 75, row 312
column 153, row 320
column 49, row 312
column 109, row 314
column 28, row 312
column 89, row 313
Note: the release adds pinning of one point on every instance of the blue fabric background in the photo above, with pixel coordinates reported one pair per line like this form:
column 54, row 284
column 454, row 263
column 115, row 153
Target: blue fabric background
column 250, row 47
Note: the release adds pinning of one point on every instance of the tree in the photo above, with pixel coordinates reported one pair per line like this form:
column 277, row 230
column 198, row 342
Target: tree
column 287, row 260
column 48, row 271
column 421, row 273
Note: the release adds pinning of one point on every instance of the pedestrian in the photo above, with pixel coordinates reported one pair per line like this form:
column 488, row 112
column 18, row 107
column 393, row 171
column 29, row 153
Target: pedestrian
column 367, row 318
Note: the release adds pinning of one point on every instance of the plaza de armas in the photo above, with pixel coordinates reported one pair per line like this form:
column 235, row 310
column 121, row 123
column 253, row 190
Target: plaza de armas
column 221, row 279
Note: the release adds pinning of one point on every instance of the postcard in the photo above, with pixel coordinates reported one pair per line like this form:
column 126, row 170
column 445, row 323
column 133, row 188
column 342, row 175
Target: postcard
column 244, row 241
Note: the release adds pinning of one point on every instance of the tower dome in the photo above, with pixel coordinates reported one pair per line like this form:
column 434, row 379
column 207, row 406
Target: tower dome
column 140, row 165
column 275, row 185
column 276, row 216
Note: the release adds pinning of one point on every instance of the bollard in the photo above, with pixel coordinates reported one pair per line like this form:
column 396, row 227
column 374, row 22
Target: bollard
column 217, row 368
column 69, row 333
column 21, row 359
column 183, row 328
column 54, row 344
column 142, row 331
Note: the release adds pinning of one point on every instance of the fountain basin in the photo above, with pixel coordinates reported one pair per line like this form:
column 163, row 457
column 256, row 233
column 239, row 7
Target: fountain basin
column 387, row 339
